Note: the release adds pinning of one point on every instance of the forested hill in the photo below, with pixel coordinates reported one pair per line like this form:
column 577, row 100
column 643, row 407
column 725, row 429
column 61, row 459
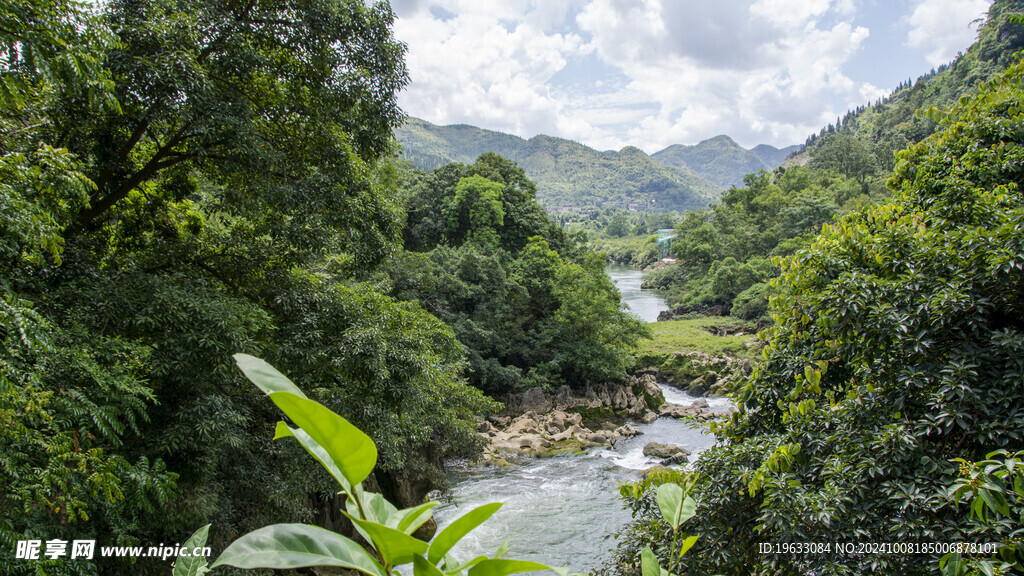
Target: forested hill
column 722, row 161
column 867, row 137
column 571, row 175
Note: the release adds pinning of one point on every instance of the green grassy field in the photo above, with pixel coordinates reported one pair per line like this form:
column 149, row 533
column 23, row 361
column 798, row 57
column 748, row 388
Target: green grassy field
column 691, row 336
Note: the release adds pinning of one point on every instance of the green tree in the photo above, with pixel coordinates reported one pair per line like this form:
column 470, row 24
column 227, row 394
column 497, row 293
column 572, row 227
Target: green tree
column 221, row 195
column 845, row 154
column 897, row 348
column 476, row 212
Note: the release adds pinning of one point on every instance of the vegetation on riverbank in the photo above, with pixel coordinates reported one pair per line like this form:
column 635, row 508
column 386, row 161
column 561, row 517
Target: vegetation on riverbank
column 181, row 181
column 896, row 350
column 702, row 355
column 711, row 335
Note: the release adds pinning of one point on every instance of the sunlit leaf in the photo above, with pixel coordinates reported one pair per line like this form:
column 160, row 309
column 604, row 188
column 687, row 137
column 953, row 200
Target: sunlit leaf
column 265, row 376
column 395, row 547
column 458, row 529
column 193, row 565
column 352, row 451
column 286, row 546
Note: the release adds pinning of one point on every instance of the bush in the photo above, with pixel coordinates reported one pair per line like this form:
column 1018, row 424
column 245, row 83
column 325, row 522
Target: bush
column 898, row 346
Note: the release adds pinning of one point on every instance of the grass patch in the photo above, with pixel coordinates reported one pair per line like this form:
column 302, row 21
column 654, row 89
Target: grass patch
column 573, row 446
column 593, row 415
column 691, row 336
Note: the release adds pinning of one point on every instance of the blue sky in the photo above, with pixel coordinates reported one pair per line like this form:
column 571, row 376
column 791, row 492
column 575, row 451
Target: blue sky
column 650, row 73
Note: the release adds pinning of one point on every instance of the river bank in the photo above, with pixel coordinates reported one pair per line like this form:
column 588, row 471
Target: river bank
column 563, row 509
column 536, row 423
column 560, row 502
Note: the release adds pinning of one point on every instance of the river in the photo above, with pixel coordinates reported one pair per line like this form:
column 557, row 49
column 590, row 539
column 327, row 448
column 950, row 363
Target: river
column 646, row 304
column 563, row 511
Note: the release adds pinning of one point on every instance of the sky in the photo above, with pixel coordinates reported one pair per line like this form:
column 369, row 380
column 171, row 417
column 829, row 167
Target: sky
column 651, row 73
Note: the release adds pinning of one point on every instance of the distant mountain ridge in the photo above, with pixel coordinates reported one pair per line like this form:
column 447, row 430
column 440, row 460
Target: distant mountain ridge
column 571, row 176
column 722, row 161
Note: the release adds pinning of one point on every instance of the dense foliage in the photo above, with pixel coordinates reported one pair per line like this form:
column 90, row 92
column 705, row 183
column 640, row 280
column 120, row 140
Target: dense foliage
column 569, row 175
column 897, row 348
column 724, row 254
column 182, row 181
column 529, row 303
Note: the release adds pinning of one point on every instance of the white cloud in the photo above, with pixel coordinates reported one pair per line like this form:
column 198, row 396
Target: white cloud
column 789, row 13
column 942, row 27
column 648, row 73
column 487, row 65
column 727, row 67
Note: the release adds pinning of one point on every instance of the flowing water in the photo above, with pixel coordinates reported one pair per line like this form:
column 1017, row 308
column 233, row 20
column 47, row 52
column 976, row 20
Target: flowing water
column 562, row 511
column 646, row 304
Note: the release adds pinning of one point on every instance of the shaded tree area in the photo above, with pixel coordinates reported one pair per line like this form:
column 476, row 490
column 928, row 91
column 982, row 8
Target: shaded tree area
column 897, row 348
column 180, row 182
column 725, row 253
column 530, row 304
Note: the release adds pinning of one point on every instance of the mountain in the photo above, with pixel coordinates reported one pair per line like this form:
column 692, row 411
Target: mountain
column 900, row 119
column 569, row 175
column 721, row 160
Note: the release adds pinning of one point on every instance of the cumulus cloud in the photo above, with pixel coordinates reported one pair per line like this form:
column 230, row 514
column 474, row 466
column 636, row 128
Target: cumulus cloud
column 763, row 71
column 943, row 27
column 486, row 62
column 648, row 73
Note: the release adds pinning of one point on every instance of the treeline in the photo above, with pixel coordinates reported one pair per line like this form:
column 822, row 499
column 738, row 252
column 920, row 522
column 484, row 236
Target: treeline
column 892, row 123
column 183, row 181
column 891, row 380
column 530, row 303
column 725, row 253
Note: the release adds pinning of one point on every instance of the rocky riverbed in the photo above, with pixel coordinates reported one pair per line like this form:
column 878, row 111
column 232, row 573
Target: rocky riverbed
column 539, row 424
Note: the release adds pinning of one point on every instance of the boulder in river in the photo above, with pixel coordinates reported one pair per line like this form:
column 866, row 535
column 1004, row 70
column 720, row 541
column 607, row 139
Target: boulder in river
column 668, row 453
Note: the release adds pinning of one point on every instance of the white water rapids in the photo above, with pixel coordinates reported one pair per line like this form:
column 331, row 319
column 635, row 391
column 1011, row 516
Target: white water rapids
column 562, row 511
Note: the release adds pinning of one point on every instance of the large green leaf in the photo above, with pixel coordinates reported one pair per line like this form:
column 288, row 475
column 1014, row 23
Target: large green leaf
column 503, row 567
column 409, row 520
column 395, row 547
column 422, row 567
column 447, row 538
column 265, row 376
column 649, row 562
column 285, row 546
column 352, row 451
column 371, row 506
column 315, row 450
column 675, row 506
column 193, row 565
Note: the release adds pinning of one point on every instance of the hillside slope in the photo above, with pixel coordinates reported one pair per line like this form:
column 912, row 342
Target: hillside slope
column 721, row 160
column 569, row 175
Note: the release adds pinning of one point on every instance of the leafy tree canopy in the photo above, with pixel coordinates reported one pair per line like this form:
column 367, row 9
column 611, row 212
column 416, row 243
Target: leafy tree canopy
column 897, row 348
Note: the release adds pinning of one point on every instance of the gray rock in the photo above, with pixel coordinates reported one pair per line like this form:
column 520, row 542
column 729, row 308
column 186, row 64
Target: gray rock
column 627, row 431
column 499, row 421
column 664, row 451
column 534, row 400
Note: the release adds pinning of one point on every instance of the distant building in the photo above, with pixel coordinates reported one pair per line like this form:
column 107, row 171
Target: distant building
column 664, row 241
